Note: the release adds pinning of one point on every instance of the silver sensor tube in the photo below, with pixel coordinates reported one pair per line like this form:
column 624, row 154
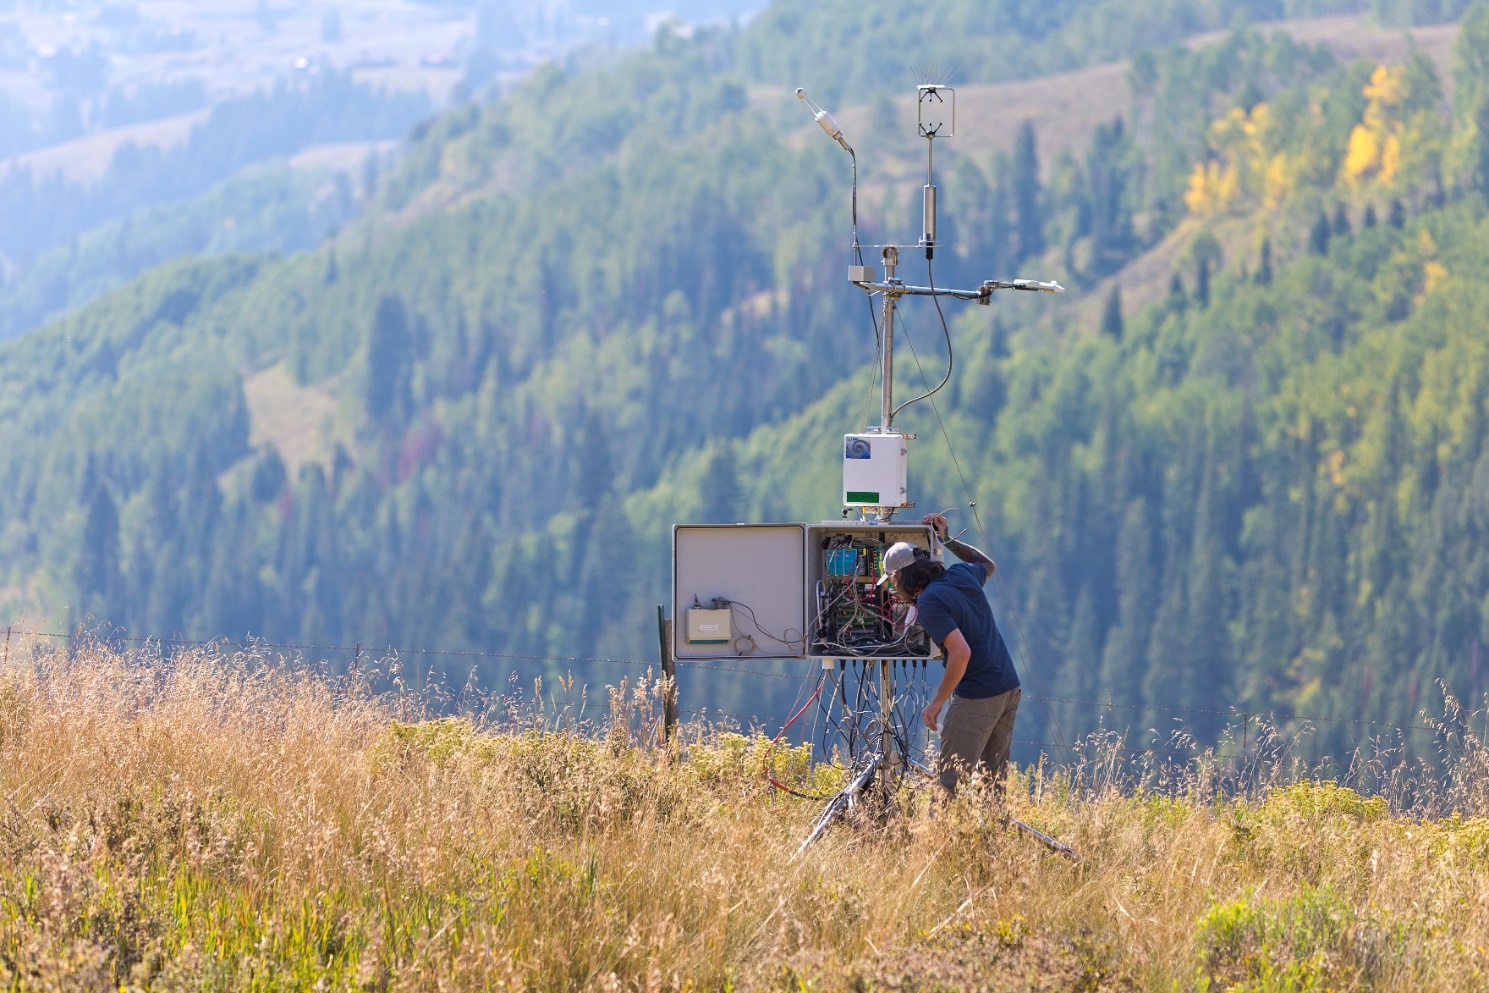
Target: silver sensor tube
column 928, row 205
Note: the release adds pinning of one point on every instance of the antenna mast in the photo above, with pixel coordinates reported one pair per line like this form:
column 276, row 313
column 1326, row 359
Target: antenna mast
column 875, row 462
column 869, row 486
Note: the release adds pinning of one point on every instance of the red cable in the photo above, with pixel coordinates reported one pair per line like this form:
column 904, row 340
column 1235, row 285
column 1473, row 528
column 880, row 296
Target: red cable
column 765, row 765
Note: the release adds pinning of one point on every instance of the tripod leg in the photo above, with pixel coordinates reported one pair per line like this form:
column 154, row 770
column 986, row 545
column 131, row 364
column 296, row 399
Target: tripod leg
column 1045, row 840
column 839, row 804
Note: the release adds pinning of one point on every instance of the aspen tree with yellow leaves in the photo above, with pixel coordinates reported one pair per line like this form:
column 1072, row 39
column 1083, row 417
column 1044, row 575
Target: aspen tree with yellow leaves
column 1398, row 142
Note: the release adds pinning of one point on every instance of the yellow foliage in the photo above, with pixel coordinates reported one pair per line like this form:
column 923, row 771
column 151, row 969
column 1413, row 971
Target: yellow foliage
column 1396, row 121
column 1245, row 160
column 1433, row 274
column 1197, row 196
column 1213, row 187
column 1334, row 462
column 1363, row 154
column 1239, row 145
column 1386, row 87
column 1390, row 159
column 1279, row 180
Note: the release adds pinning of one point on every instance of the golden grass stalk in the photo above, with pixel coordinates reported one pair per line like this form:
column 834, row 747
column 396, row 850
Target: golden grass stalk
column 233, row 821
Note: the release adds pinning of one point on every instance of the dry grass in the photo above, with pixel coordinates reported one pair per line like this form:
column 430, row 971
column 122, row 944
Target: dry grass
column 234, row 823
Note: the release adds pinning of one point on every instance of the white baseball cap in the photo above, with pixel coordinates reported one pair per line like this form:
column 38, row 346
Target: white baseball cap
column 900, row 554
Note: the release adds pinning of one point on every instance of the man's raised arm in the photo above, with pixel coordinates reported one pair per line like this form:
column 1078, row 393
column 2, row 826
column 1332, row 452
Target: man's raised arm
column 962, row 550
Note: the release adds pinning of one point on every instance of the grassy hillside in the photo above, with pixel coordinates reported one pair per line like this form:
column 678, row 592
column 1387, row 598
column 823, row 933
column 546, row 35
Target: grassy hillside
column 226, row 822
column 615, row 300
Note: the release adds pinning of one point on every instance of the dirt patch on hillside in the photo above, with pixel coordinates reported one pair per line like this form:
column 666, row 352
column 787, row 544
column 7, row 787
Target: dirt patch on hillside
column 301, row 422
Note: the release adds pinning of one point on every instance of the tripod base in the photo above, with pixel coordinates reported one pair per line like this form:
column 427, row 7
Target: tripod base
column 843, row 802
column 863, row 780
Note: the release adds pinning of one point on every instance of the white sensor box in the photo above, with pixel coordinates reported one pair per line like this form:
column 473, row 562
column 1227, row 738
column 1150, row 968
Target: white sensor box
column 875, row 470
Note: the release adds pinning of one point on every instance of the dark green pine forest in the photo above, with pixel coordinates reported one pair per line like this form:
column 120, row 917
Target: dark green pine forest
column 1242, row 466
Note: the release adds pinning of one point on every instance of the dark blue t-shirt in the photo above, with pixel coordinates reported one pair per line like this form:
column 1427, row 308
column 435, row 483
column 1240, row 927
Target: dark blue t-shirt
column 956, row 601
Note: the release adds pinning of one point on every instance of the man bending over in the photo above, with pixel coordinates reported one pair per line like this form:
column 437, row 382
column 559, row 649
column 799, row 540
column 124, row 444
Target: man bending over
column 980, row 680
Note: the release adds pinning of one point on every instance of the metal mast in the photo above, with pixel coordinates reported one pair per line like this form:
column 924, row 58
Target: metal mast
column 935, row 118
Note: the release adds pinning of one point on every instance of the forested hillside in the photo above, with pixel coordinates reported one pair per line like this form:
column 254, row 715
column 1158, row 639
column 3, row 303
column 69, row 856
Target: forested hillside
column 66, row 240
column 616, row 300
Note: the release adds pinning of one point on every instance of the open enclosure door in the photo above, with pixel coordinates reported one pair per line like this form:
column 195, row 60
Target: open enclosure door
column 739, row 591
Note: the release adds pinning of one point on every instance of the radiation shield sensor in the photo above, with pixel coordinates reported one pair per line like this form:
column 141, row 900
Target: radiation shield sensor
column 876, row 470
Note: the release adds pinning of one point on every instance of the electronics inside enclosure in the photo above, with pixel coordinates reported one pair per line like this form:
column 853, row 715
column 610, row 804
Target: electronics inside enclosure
column 792, row 591
column 855, row 615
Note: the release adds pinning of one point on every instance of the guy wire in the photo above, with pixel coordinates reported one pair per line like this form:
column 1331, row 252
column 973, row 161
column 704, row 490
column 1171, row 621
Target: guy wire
column 1049, row 714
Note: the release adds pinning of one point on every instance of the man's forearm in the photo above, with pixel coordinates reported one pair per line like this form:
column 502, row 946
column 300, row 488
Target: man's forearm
column 956, row 668
column 969, row 553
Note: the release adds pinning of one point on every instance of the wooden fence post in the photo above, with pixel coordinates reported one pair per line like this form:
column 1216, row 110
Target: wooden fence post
column 669, row 672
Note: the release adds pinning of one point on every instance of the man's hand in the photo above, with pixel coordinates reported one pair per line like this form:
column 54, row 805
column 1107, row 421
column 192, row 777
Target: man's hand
column 931, row 714
column 937, row 523
column 957, row 547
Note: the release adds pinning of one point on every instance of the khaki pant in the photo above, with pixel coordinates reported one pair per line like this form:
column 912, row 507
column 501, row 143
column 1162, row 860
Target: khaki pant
column 977, row 733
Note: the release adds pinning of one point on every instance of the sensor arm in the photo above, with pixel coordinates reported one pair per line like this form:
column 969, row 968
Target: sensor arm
column 983, row 294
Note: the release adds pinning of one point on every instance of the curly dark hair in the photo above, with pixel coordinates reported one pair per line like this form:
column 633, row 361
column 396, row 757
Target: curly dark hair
column 916, row 576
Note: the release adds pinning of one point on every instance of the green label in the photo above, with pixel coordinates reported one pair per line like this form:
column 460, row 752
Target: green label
column 863, row 496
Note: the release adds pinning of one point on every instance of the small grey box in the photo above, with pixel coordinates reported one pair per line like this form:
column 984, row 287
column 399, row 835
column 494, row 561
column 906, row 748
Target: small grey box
column 861, row 274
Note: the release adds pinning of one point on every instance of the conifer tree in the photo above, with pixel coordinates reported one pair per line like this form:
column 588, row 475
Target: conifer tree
column 1080, row 670
column 1340, row 224
column 98, row 560
column 1124, row 658
column 1471, row 61
column 1000, row 234
column 1318, row 237
column 1167, row 651
column 1207, row 654
column 390, row 351
column 718, row 491
column 1111, row 314
column 1480, row 156
column 594, row 469
column 1027, row 206
column 1177, row 297
column 1106, row 183
column 1397, row 217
